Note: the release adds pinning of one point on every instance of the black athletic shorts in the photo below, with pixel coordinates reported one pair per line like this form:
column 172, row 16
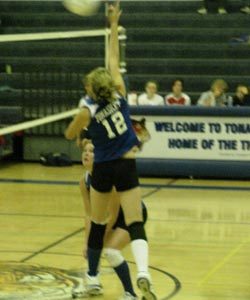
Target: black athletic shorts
column 120, row 173
column 120, row 222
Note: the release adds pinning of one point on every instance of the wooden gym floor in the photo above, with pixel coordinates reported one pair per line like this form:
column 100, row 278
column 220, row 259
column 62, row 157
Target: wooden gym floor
column 199, row 230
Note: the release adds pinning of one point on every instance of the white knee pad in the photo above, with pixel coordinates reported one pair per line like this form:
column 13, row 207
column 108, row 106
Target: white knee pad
column 113, row 256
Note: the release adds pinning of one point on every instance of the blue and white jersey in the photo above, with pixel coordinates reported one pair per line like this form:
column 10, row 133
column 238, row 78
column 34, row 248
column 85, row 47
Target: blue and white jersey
column 110, row 129
column 83, row 100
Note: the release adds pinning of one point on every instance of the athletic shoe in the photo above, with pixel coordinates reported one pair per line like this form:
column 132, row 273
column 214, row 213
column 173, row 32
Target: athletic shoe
column 144, row 284
column 202, row 11
column 93, row 285
column 245, row 10
column 222, row 11
column 78, row 293
column 128, row 296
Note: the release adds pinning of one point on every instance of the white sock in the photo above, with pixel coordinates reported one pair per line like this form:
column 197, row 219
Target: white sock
column 140, row 252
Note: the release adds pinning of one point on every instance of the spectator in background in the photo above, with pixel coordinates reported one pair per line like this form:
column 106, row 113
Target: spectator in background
column 216, row 96
column 150, row 97
column 242, row 96
column 132, row 98
column 220, row 4
column 177, row 97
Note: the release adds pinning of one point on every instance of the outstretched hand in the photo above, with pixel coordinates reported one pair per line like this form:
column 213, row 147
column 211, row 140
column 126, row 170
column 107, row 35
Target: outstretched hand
column 114, row 13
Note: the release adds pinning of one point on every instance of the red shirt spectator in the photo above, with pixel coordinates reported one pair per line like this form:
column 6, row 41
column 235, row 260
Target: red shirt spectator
column 177, row 97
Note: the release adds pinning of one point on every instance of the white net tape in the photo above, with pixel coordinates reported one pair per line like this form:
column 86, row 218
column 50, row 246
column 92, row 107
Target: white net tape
column 49, row 36
column 38, row 122
column 52, row 35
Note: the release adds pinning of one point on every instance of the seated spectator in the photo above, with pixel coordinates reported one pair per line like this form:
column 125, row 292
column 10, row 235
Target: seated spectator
column 177, row 97
column 216, row 96
column 242, row 96
column 150, row 97
column 132, row 98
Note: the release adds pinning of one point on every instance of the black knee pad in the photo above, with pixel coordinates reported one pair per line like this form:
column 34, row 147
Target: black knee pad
column 137, row 232
column 96, row 235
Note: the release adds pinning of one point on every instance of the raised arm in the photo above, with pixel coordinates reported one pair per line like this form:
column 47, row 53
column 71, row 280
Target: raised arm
column 114, row 13
column 80, row 121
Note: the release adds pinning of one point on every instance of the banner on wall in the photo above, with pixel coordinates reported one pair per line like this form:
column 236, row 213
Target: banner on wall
column 191, row 137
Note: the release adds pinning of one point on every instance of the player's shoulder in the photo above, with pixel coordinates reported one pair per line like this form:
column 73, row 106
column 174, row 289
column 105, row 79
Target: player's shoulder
column 121, row 99
column 87, row 102
column 83, row 100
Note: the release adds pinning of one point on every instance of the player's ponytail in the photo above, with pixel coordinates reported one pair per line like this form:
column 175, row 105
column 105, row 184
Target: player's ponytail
column 102, row 85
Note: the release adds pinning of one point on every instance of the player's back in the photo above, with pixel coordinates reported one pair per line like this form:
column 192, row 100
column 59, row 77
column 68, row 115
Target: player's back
column 110, row 129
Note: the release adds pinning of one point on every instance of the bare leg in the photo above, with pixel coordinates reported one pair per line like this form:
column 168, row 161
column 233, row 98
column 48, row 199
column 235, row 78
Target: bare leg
column 131, row 204
column 117, row 239
column 99, row 206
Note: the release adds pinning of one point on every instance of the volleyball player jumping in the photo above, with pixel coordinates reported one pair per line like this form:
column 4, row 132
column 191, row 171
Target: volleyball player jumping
column 106, row 116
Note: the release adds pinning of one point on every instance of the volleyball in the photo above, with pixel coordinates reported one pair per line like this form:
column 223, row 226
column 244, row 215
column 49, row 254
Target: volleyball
column 82, row 7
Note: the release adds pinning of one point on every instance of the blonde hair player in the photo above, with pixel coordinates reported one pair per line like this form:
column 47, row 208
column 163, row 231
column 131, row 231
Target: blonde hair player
column 117, row 236
column 106, row 115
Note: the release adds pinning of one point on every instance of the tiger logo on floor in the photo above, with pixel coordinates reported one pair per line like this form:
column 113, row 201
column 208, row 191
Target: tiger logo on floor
column 34, row 282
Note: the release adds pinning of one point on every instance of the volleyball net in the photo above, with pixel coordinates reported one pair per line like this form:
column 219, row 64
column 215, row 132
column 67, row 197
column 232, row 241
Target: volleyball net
column 46, row 82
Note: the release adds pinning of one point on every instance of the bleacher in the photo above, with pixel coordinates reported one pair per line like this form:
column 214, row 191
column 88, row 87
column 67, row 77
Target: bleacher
column 165, row 40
